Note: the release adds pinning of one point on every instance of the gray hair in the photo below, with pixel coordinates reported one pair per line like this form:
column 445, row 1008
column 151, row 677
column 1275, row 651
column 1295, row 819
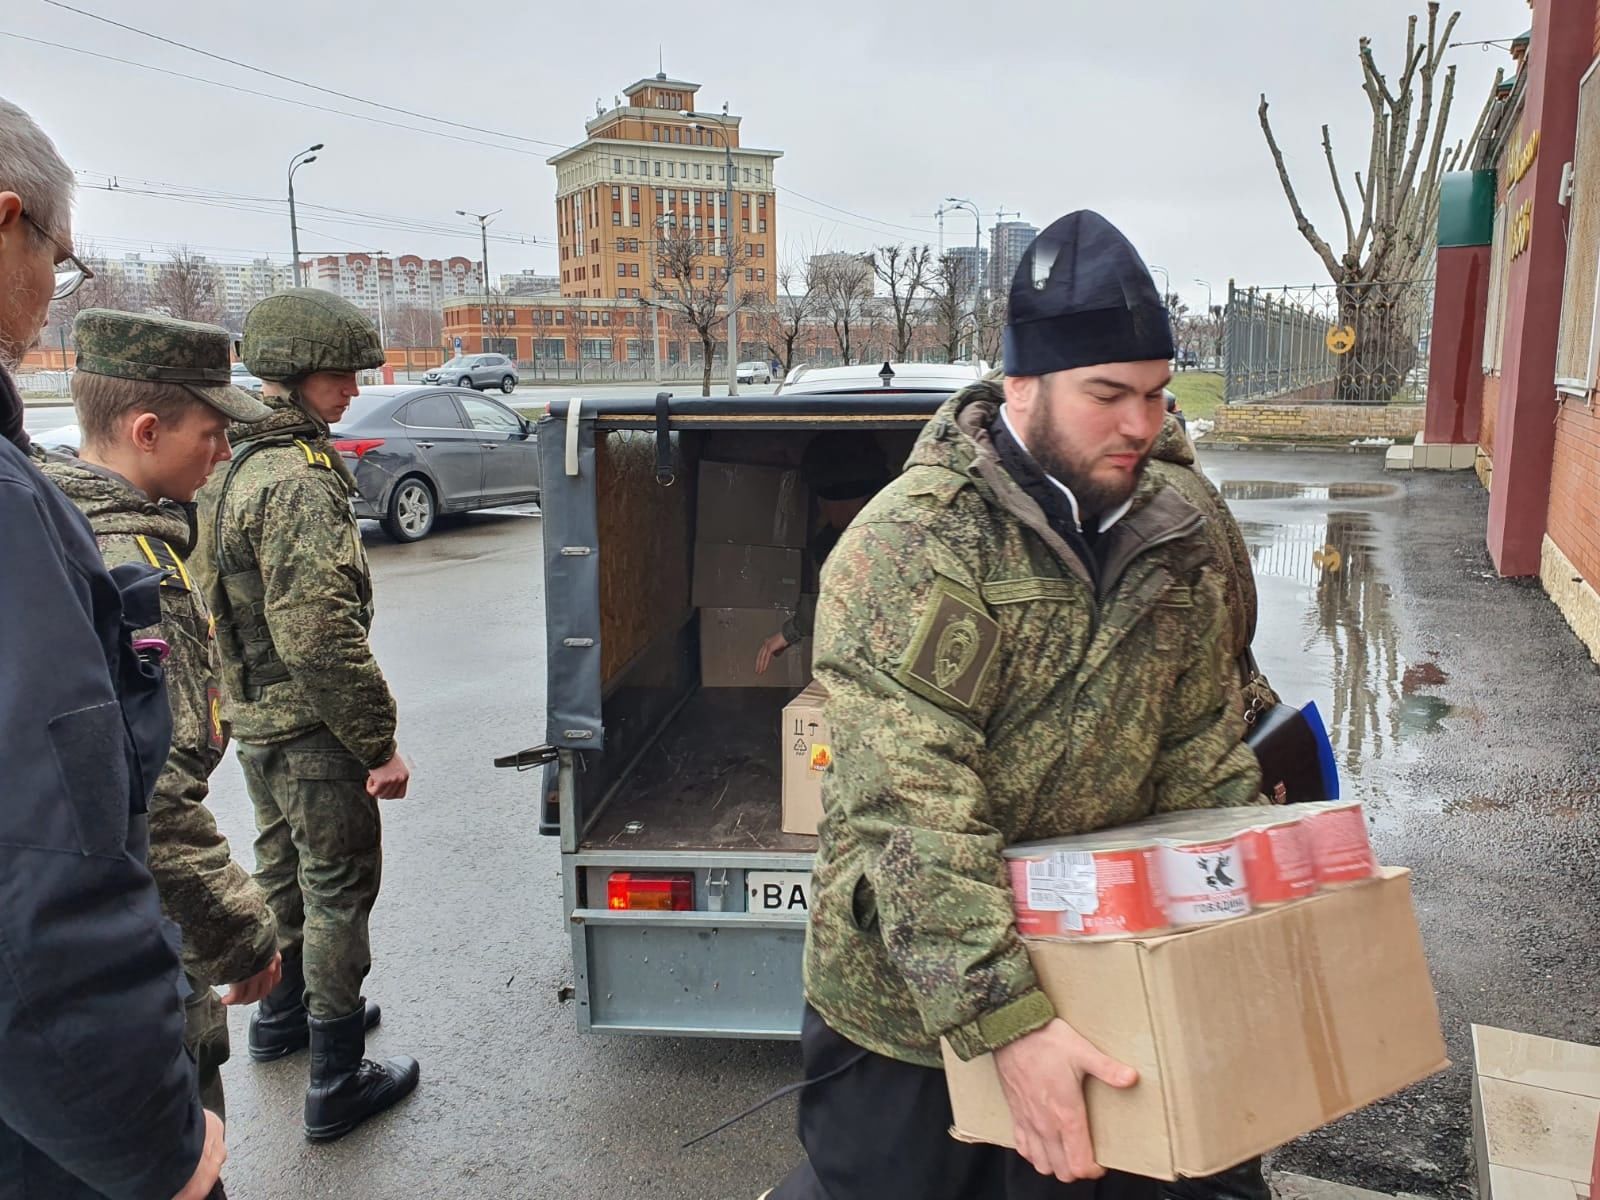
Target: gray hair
column 32, row 167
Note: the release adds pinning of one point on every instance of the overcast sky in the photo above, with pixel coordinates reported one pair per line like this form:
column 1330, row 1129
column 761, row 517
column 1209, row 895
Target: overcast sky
column 1145, row 110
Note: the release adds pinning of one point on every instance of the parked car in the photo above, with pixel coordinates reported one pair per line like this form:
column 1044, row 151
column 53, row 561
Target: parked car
column 861, row 377
column 417, row 452
column 478, row 371
column 243, row 379
column 753, row 372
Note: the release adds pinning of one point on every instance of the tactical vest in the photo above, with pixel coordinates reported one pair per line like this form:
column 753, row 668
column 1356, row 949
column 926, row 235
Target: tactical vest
column 246, row 637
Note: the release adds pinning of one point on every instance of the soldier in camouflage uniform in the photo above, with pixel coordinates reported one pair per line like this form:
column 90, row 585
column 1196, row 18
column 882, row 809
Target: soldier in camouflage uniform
column 1023, row 636
column 283, row 566
column 154, row 400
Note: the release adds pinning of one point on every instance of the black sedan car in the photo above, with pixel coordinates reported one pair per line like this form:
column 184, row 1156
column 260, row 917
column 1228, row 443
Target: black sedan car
column 418, row 452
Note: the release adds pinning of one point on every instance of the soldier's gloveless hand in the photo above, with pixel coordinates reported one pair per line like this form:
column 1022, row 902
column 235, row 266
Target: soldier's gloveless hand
column 1042, row 1075
column 389, row 782
column 248, row 991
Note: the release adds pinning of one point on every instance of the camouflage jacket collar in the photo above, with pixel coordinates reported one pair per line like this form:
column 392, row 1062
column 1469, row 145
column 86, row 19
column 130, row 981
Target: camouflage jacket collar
column 958, row 439
column 1173, row 445
column 287, row 422
column 113, row 505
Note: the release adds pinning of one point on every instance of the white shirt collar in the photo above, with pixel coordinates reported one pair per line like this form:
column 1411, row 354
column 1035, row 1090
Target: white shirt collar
column 1106, row 521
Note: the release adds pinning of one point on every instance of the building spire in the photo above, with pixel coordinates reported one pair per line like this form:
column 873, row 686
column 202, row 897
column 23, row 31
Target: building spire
column 661, row 62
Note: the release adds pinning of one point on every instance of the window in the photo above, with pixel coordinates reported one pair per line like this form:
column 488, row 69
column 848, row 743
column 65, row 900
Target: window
column 761, row 249
column 627, row 318
column 432, row 412
column 761, row 200
column 561, row 318
column 761, row 226
column 633, row 270
column 489, row 416
column 700, row 272
column 746, row 225
column 697, row 199
column 1499, row 265
column 634, row 220
column 616, row 192
column 630, row 166
column 616, row 218
column 622, row 270
column 597, row 349
column 671, row 170
column 622, row 293
column 661, row 197
column 686, row 197
column 747, row 174
column 605, row 317
column 761, row 274
column 1578, row 346
column 744, row 199
column 749, row 275
column 749, row 250
column 657, row 169
column 655, row 133
column 550, row 350
column 697, row 170
column 622, row 244
column 633, row 245
column 616, row 166
column 758, row 174
column 683, row 170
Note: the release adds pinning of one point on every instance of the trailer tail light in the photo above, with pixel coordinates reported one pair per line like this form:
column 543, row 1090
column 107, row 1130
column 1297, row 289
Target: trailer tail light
column 650, row 891
column 357, row 446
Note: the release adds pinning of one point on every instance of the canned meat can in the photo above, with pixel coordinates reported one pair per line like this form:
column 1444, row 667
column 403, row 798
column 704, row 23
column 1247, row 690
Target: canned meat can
column 1204, row 879
column 1340, row 847
column 1087, row 888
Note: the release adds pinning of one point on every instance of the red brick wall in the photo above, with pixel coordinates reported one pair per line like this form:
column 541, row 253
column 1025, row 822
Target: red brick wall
column 1491, row 410
column 1574, row 518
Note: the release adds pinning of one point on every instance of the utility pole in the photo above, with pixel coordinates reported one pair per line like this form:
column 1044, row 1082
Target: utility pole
column 295, row 163
column 483, row 229
column 977, row 262
column 727, row 251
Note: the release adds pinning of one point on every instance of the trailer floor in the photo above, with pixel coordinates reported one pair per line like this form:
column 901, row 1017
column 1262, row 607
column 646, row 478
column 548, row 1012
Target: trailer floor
column 712, row 781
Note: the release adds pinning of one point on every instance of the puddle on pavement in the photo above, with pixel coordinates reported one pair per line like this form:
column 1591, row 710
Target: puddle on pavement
column 1327, row 632
column 1273, row 489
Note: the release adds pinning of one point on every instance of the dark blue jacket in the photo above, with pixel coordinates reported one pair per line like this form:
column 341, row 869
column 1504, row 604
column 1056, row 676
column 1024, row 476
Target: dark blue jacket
column 97, row 1095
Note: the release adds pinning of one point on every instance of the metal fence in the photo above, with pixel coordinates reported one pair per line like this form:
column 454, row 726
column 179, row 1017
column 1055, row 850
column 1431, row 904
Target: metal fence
column 1363, row 343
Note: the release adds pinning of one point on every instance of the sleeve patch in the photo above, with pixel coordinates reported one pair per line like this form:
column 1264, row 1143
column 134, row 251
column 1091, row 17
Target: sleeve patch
column 953, row 649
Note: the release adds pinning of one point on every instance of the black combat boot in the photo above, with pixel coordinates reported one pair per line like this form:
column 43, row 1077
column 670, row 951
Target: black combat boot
column 346, row 1088
column 278, row 1026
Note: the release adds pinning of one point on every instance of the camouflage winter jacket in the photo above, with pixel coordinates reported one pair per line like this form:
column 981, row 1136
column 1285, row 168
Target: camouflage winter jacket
column 228, row 931
column 281, row 561
column 982, row 695
column 1173, row 463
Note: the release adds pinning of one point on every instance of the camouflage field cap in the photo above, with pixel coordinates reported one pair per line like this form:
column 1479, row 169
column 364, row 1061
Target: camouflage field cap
column 152, row 349
column 304, row 330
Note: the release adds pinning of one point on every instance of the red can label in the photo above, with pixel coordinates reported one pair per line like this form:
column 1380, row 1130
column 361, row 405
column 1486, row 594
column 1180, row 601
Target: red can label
column 1340, row 846
column 1088, row 893
column 1204, row 881
column 1278, row 863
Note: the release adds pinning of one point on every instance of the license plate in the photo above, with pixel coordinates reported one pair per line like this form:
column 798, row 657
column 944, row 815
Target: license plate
column 778, row 891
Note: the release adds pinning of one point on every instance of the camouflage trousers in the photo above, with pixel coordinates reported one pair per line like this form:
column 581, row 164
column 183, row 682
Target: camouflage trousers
column 205, row 1034
column 319, row 858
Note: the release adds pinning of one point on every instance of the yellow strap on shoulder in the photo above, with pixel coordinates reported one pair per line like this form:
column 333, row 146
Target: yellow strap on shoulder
column 315, row 458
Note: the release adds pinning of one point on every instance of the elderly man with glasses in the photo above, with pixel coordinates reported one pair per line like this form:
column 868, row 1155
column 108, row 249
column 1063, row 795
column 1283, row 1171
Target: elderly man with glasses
column 97, row 1093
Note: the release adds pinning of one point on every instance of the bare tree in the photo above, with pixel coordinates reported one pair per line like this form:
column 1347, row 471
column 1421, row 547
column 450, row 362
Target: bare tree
column 1392, row 244
column 186, row 288
column 844, row 284
column 414, row 326
column 108, row 289
column 992, row 314
column 781, row 322
column 906, row 271
column 692, row 285
column 951, row 290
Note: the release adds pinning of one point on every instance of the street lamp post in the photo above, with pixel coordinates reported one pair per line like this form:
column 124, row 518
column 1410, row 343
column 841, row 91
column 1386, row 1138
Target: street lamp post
column 299, row 160
column 1166, row 286
column 1211, row 310
column 977, row 263
column 483, row 229
column 727, row 248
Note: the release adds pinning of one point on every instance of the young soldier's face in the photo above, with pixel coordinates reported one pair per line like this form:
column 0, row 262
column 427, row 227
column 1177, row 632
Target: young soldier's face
column 328, row 393
column 182, row 454
column 1092, row 427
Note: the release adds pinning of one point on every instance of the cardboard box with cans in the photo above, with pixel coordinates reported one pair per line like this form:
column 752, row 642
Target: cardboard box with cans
column 1256, row 966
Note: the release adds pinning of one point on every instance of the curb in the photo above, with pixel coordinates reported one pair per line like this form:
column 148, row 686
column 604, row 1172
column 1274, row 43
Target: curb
column 1292, row 447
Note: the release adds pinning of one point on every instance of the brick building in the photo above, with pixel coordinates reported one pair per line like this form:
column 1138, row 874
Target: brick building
column 1515, row 357
column 648, row 168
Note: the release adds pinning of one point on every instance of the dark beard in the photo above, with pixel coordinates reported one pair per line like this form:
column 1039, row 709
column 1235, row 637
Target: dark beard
column 1095, row 499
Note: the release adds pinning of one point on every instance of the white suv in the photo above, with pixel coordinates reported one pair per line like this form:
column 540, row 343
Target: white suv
column 480, row 371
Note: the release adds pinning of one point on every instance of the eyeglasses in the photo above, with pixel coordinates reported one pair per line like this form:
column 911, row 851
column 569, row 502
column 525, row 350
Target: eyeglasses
column 70, row 275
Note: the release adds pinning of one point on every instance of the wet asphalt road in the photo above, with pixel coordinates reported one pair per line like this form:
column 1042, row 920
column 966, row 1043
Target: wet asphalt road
column 1464, row 711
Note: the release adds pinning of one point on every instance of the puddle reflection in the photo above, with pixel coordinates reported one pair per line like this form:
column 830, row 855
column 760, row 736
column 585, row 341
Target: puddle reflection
column 1274, row 489
column 1327, row 630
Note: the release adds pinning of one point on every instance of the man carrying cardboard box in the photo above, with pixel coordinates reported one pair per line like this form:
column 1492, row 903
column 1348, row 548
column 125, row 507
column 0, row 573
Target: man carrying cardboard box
column 1022, row 637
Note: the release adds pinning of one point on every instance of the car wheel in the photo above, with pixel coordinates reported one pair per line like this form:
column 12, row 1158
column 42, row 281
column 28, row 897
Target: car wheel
column 464, row 382
column 508, row 384
column 412, row 510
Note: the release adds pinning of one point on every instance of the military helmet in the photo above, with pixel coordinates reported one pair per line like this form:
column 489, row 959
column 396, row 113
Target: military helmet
column 303, row 330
